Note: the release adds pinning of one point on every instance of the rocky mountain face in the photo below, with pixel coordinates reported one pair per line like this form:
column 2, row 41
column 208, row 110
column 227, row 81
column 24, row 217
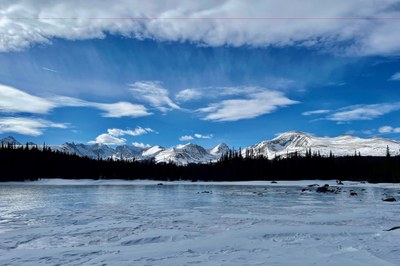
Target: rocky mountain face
column 283, row 145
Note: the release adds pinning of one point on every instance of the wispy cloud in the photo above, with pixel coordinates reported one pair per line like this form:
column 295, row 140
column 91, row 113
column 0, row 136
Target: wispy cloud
column 388, row 130
column 196, row 136
column 256, row 102
column 200, row 136
column 27, row 126
column 189, row 95
column 153, row 93
column 49, row 69
column 363, row 112
column 114, row 110
column 316, row 112
column 121, row 109
column 362, row 132
column 395, row 76
column 13, row 100
column 193, row 94
column 136, row 132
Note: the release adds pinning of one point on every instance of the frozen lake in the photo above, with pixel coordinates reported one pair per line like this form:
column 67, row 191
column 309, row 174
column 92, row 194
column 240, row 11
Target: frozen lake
column 142, row 223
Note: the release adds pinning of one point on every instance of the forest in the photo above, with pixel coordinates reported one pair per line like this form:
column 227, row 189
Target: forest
column 32, row 163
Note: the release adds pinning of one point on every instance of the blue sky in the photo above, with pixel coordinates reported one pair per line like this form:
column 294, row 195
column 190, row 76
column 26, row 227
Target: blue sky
column 165, row 82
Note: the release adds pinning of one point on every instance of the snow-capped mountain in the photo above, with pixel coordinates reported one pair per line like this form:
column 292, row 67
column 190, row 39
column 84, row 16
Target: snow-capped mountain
column 181, row 154
column 220, row 149
column 152, row 151
column 184, row 154
column 127, row 152
column 300, row 142
column 9, row 140
column 94, row 151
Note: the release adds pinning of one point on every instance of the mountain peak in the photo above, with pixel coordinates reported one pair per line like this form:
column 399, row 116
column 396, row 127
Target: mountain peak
column 10, row 140
column 292, row 134
column 220, row 149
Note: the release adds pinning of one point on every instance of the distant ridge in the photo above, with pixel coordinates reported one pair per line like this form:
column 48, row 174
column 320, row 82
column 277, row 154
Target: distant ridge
column 283, row 145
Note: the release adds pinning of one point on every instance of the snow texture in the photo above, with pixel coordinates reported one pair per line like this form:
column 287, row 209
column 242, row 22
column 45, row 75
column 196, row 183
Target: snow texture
column 83, row 222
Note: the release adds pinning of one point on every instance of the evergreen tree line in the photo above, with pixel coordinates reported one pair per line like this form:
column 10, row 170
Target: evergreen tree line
column 32, row 163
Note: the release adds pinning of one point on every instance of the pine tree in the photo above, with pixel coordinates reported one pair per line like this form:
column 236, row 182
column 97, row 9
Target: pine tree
column 387, row 151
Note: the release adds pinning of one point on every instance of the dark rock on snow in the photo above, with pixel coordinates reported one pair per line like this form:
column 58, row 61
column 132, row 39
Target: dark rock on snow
column 389, row 199
column 323, row 189
column 393, row 228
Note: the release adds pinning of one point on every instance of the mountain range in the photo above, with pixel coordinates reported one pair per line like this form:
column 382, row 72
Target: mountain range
column 283, row 145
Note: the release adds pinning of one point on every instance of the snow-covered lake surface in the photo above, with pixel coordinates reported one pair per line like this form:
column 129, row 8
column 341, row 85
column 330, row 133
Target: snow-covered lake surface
column 58, row 222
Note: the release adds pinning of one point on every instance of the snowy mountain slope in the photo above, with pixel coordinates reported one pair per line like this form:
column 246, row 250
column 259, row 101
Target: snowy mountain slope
column 220, row 149
column 184, row 154
column 152, row 151
column 94, row 151
column 127, row 152
column 300, row 142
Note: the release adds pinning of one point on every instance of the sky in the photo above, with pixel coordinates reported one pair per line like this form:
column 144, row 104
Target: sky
column 171, row 72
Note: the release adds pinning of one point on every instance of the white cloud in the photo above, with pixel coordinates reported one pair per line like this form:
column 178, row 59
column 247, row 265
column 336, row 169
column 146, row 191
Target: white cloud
column 186, row 138
column 153, row 93
column 108, row 140
column 121, row 109
column 113, row 135
column 13, row 100
column 224, row 92
column 136, row 132
column 322, row 26
column 363, row 112
column 363, row 132
column 115, row 110
column 200, row 136
column 389, row 129
column 255, row 104
column 196, row 136
column 316, row 112
column 140, row 145
column 395, row 76
column 27, row 126
column 188, row 95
